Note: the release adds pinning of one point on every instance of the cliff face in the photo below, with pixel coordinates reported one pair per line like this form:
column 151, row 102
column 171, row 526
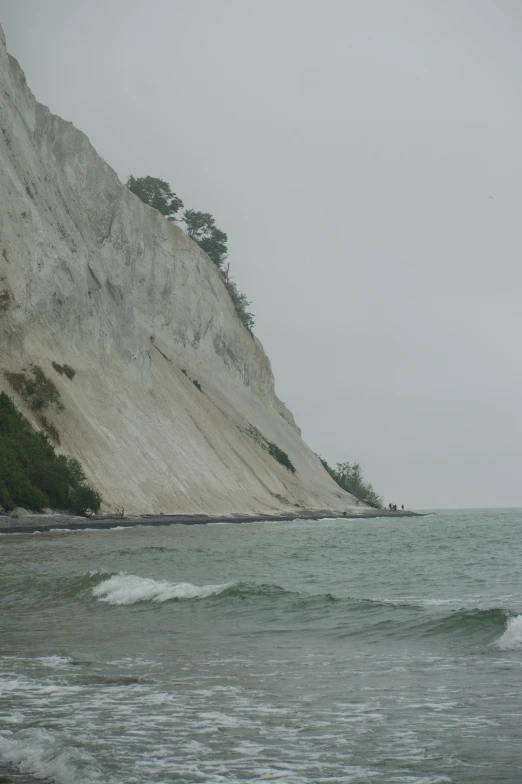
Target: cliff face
column 93, row 278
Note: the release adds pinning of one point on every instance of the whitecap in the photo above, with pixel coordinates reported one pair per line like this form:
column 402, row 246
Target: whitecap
column 125, row 588
column 39, row 753
column 512, row 637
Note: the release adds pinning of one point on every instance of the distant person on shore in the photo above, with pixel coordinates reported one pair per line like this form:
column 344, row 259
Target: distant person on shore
column 402, row 507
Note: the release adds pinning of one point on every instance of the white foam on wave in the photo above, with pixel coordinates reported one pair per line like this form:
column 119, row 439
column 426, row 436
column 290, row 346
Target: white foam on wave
column 125, row 588
column 512, row 637
column 38, row 752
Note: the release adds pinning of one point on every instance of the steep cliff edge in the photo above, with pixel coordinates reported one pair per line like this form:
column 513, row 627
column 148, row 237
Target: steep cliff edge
column 92, row 278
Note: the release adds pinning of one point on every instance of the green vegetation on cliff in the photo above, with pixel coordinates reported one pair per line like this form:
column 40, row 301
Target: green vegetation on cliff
column 32, row 474
column 271, row 448
column 156, row 193
column 350, row 478
column 200, row 227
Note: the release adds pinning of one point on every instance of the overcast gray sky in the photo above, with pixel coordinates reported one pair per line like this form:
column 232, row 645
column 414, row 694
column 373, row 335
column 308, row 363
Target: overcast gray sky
column 350, row 149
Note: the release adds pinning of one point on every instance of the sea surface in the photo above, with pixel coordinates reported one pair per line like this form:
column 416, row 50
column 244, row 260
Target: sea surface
column 304, row 652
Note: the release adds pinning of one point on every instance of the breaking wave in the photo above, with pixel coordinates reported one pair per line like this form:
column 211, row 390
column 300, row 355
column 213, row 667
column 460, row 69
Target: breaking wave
column 512, row 637
column 129, row 589
column 389, row 618
column 39, row 753
column 396, row 618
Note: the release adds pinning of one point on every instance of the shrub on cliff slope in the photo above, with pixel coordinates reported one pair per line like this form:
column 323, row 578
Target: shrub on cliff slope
column 280, row 456
column 32, row 474
column 39, row 391
column 241, row 303
column 350, row 478
column 271, row 448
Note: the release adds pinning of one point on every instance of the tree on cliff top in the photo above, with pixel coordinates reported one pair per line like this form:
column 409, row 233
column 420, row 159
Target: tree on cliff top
column 157, row 194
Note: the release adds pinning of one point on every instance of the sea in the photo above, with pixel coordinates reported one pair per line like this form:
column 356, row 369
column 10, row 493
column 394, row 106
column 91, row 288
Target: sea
column 304, row 652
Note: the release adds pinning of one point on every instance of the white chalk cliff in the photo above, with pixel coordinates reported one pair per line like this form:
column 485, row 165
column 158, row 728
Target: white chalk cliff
column 93, row 278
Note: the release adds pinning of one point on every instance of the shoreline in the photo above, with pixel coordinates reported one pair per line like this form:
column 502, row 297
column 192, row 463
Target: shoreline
column 44, row 523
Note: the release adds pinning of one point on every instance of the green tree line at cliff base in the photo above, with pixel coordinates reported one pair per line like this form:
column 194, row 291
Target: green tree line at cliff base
column 349, row 476
column 32, row 474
